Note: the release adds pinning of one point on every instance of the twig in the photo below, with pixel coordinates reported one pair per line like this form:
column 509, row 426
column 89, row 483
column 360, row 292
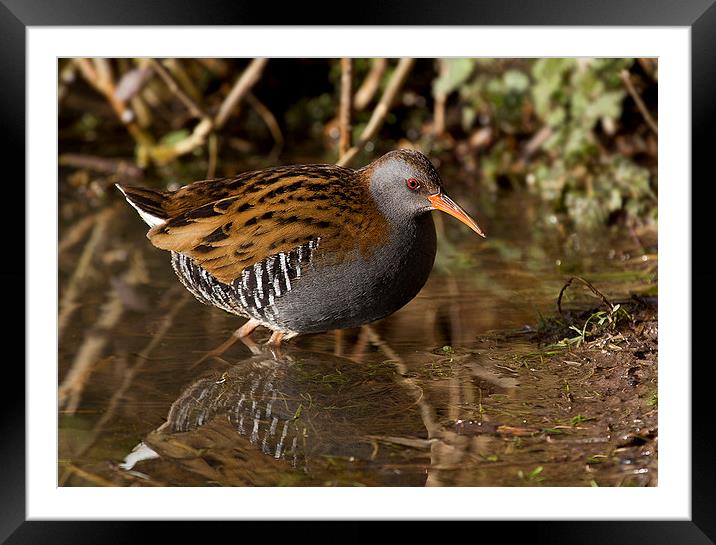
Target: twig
column 162, row 154
column 183, row 79
column 120, row 167
column 169, row 80
column 370, row 84
column 381, row 110
column 440, row 101
column 269, row 119
column 589, row 285
column 626, row 78
column 344, row 113
column 243, row 85
column 649, row 66
column 99, row 75
column 142, row 111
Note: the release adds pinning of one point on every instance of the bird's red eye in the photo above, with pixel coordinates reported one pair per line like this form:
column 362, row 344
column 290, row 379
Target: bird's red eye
column 412, row 183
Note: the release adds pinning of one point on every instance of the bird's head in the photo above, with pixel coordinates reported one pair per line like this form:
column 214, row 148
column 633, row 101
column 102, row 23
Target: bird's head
column 404, row 184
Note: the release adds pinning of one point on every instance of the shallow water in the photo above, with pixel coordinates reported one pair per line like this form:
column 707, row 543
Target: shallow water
column 427, row 396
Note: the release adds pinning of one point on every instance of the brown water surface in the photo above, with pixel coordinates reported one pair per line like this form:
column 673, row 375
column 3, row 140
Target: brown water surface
column 428, row 396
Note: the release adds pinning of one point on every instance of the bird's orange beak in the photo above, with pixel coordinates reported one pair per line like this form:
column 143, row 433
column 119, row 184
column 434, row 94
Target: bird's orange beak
column 440, row 201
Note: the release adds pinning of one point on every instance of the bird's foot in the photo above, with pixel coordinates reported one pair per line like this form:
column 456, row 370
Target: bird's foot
column 274, row 343
column 241, row 334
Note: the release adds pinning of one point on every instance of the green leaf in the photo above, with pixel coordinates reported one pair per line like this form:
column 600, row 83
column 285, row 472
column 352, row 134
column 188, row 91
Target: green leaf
column 174, row 137
column 516, row 81
column 456, row 73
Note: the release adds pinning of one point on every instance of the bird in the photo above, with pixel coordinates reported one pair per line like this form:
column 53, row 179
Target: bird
column 303, row 249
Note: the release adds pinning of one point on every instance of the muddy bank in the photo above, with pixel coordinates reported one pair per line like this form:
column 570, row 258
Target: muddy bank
column 591, row 380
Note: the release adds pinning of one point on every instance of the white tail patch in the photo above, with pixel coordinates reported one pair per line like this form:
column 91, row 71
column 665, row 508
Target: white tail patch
column 148, row 218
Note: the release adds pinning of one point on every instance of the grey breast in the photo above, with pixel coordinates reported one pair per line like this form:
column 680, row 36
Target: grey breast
column 361, row 289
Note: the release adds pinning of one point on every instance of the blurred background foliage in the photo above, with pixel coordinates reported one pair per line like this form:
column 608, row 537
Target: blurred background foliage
column 578, row 133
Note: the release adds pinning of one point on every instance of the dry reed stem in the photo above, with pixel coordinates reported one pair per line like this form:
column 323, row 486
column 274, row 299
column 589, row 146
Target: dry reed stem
column 243, row 85
column 344, row 112
column 164, row 154
column 370, row 85
column 440, row 101
column 99, row 75
column 249, row 77
column 174, row 87
column 142, row 111
column 269, row 120
column 381, row 110
column 120, row 167
column 183, row 79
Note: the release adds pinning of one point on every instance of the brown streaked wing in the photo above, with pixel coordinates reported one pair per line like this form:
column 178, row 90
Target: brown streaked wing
column 254, row 216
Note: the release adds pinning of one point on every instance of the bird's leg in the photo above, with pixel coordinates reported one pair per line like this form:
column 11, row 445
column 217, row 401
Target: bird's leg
column 274, row 344
column 275, row 339
column 241, row 334
column 247, row 329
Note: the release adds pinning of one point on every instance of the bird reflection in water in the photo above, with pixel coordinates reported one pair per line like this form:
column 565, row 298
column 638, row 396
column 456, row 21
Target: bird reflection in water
column 299, row 411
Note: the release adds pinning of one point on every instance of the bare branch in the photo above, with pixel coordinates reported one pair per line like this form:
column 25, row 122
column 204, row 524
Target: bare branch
column 596, row 292
column 344, row 113
column 440, row 101
column 124, row 168
column 370, row 84
column 192, row 106
column 99, row 75
column 269, row 119
column 163, row 154
column 381, row 110
column 626, row 78
column 243, row 85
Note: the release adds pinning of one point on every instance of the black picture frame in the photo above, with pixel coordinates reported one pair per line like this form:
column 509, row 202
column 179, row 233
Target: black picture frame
column 17, row 15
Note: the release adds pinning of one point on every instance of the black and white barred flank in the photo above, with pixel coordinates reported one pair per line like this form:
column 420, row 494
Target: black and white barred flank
column 248, row 401
column 256, row 290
